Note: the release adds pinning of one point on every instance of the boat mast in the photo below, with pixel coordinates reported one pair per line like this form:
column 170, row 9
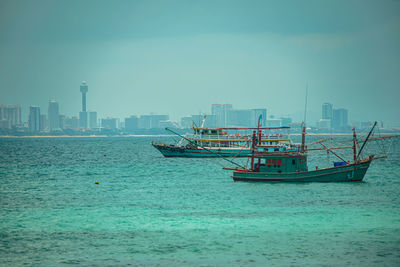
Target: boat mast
column 259, row 141
column 354, row 144
column 253, row 145
column 303, row 138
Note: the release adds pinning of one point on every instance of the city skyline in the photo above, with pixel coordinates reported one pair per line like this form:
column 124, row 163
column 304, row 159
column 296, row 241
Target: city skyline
column 332, row 119
column 180, row 57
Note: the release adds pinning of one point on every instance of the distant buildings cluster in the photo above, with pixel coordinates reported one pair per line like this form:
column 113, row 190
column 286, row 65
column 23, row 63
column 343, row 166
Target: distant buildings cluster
column 10, row 116
column 337, row 120
column 54, row 121
column 221, row 116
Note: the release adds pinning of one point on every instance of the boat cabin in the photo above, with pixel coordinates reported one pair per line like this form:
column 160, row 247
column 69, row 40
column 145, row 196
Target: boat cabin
column 208, row 131
column 276, row 146
column 280, row 163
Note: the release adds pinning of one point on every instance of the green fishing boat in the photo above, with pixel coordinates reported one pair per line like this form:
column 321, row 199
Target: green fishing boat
column 276, row 163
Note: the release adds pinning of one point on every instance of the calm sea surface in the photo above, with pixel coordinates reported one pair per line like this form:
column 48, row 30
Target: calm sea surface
column 149, row 210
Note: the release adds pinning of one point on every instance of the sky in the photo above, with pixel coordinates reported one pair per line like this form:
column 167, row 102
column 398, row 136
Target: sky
column 179, row 57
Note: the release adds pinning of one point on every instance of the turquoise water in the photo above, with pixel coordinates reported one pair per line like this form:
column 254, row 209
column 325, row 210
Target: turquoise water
column 150, row 210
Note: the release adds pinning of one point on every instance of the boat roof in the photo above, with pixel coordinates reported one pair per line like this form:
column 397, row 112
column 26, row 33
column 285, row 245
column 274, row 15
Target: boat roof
column 245, row 128
column 208, row 129
column 257, row 128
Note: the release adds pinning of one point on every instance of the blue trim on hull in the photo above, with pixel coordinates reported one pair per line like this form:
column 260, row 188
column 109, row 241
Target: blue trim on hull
column 170, row 151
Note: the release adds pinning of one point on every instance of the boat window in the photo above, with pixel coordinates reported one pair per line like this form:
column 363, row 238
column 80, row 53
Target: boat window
column 293, row 161
column 214, row 131
column 276, row 149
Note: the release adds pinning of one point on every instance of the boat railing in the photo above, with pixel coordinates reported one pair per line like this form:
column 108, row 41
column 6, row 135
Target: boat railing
column 237, row 137
column 227, row 137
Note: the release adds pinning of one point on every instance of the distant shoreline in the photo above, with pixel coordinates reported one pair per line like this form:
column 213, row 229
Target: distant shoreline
column 155, row 135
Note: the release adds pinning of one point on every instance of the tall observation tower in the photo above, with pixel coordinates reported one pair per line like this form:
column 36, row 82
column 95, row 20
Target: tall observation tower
column 84, row 89
column 83, row 117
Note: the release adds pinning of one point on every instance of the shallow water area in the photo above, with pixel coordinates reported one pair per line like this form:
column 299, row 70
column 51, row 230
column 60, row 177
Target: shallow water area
column 149, row 210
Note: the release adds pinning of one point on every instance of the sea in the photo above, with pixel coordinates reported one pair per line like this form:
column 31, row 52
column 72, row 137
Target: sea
column 147, row 210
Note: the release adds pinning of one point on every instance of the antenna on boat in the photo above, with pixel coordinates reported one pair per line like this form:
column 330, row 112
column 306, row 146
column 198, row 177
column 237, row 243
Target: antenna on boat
column 305, row 105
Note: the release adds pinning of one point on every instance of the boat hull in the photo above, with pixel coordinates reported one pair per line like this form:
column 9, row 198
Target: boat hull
column 347, row 173
column 175, row 151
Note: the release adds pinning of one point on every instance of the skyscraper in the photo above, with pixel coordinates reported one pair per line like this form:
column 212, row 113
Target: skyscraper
column 239, row 118
column 131, row 123
column 83, row 116
column 340, row 119
column 61, row 121
column 221, row 112
column 10, row 115
column 54, row 120
column 327, row 111
column 109, row 123
column 34, row 119
column 92, row 119
column 43, row 121
column 151, row 121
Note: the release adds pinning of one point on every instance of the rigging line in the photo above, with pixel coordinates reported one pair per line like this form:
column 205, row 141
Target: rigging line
column 384, row 150
column 369, row 134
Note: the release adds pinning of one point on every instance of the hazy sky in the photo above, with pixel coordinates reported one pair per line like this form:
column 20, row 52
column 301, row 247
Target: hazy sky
column 179, row 57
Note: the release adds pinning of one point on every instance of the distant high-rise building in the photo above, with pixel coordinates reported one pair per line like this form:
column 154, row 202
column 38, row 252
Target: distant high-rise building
column 239, row 118
column 210, row 121
column 61, row 122
column 151, row 121
column 92, row 119
column 71, row 123
column 34, row 119
column 10, row 115
column 340, row 119
column 109, row 123
column 83, row 119
column 54, row 120
column 327, row 109
column 131, row 123
column 221, row 112
column 43, row 122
